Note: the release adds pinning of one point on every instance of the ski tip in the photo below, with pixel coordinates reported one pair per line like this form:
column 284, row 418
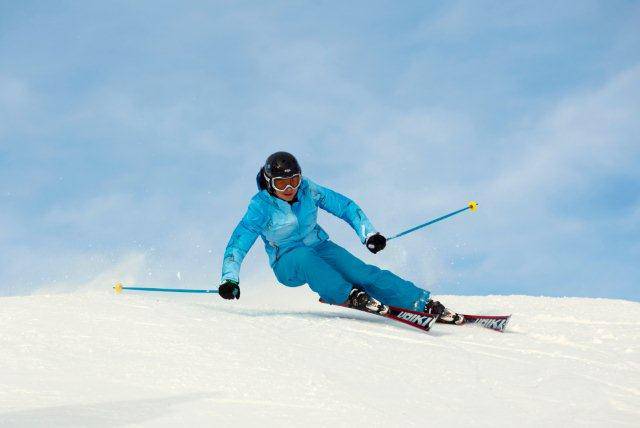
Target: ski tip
column 118, row 288
column 473, row 206
column 504, row 326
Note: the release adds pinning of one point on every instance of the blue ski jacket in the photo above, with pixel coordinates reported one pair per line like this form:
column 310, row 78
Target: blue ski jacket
column 284, row 226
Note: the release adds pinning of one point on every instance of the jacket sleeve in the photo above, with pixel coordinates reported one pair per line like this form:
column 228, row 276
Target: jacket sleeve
column 241, row 241
column 342, row 207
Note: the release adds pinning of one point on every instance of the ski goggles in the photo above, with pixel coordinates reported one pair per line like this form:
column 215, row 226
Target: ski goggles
column 282, row 183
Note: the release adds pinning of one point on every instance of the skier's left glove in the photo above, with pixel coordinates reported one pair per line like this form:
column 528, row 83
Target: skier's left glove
column 229, row 290
column 376, row 243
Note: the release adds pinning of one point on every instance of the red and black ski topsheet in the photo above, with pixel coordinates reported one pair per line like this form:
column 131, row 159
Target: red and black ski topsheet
column 424, row 321
column 419, row 320
column 494, row 322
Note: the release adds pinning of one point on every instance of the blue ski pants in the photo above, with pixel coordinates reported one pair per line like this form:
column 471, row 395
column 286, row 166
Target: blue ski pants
column 331, row 271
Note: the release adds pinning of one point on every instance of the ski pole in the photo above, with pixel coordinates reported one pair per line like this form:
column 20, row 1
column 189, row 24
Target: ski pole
column 119, row 287
column 473, row 206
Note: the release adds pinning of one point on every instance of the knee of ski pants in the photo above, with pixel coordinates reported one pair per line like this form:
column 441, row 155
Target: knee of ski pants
column 289, row 267
column 304, row 266
column 285, row 274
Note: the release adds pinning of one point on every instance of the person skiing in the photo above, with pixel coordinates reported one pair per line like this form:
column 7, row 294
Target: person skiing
column 284, row 214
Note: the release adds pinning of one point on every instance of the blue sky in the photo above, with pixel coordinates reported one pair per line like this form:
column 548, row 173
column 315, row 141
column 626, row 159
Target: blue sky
column 131, row 132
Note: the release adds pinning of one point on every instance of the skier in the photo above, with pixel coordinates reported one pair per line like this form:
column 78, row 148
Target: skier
column 284, row 213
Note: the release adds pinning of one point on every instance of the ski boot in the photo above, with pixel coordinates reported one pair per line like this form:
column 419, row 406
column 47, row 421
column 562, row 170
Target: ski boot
column 446, row 316
column 359, row 299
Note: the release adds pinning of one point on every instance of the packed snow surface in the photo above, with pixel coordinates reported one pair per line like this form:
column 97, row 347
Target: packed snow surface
column 99, row 359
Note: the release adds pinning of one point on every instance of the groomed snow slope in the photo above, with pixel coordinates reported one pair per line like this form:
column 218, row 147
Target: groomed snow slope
column 99, row 359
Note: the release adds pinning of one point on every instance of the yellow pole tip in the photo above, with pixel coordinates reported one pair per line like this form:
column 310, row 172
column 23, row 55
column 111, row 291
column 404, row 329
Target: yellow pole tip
column 473, row 205
column 118, row 287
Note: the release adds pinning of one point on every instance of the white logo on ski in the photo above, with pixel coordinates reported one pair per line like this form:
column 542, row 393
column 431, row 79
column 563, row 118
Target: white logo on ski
column 496, row 324
column 422, row 321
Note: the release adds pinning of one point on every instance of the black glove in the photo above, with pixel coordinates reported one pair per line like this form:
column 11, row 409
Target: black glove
column 229, row 290
column 376, row 243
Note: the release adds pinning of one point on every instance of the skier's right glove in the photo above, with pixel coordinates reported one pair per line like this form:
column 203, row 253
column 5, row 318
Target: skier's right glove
column 229, row 290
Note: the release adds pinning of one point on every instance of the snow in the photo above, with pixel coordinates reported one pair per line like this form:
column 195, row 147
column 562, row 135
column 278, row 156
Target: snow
column 278, row 357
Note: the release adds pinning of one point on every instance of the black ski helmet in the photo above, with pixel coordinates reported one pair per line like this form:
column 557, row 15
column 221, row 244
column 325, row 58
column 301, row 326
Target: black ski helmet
column 281, row 164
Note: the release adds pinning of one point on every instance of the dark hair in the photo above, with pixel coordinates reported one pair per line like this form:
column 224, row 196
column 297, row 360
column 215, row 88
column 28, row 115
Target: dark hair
column 261, row 181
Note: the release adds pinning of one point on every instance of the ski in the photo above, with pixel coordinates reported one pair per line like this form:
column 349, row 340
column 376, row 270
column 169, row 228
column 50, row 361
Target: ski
column 494, row 322
column 424, row 321
column 419, row 320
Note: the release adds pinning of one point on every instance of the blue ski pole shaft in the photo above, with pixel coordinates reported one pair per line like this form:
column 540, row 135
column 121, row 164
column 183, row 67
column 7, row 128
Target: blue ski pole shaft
column 119, row 287
column 471, row 206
